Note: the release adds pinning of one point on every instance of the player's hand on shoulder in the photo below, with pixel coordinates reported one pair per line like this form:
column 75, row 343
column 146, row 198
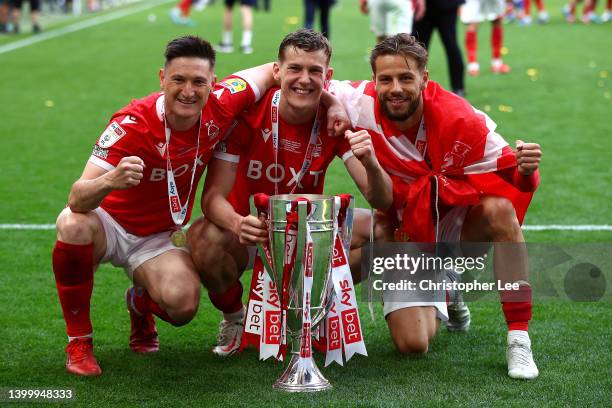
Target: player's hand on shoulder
column 337, row 120
column 362, row 147
column 252, row 230
column 126, row 174
column 528, row 157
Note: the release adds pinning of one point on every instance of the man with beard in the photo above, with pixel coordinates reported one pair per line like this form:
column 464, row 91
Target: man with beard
column 454, row 180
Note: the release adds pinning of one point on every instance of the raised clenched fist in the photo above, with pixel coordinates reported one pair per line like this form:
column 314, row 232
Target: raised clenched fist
column 362, row 147
column 528, row 157
column 128, row 173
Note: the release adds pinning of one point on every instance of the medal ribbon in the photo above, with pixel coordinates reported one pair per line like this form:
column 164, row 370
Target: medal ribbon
column 314, row 136
column 178, row 211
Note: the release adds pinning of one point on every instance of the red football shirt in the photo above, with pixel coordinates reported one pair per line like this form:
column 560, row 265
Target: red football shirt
column 250, row 145
column 138, row 130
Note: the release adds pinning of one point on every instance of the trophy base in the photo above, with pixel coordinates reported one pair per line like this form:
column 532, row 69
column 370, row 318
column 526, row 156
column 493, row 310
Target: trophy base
column 301, row 375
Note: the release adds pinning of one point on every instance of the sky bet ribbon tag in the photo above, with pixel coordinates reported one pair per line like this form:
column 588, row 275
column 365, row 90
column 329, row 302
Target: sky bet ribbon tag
column 346, row 303
column 271, row 337
column 253, row 321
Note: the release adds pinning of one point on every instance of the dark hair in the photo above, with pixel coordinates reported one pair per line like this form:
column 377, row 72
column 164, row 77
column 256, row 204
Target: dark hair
column 305, row 40
column 402, row 44
column 190, row 46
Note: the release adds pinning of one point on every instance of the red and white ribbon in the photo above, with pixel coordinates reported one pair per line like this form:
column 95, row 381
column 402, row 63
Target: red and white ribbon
column 307, row 264
column 265, row 321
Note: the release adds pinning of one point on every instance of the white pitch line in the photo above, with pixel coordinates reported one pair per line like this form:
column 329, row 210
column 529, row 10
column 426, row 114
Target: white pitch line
column 555, row 227
column 81, row 25
column 525, row 227
column 27, row 226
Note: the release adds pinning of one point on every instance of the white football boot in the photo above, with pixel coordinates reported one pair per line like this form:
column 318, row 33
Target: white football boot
column 519, row 356
column 230, row 334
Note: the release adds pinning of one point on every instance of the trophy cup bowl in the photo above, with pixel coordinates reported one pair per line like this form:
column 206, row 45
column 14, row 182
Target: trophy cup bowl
column 301, row 374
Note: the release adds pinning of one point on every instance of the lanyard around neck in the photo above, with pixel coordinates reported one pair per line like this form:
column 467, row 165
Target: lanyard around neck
column 314, row 135
column 178, row 210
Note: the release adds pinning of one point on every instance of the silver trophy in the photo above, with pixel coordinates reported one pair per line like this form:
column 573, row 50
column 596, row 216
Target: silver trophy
column 301, row 374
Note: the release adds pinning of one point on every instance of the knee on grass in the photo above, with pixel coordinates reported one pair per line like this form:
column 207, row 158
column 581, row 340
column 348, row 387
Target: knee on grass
column 414, row 343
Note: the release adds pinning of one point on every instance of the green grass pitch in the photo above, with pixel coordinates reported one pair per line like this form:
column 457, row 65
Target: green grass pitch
column 57, row 96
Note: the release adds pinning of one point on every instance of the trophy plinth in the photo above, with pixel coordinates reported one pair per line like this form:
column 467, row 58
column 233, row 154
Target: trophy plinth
column 301, row 376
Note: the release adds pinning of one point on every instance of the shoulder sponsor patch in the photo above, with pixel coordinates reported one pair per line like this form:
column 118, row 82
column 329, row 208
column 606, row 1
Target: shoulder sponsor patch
column 234, row 85
column 99, row 152
column 221, row 147
column 111, row 135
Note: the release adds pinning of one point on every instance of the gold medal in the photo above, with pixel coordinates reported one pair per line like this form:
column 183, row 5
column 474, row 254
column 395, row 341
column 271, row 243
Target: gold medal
column 178, row 238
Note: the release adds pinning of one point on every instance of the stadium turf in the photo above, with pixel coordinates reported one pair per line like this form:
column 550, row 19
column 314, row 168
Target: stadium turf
column 57, row 96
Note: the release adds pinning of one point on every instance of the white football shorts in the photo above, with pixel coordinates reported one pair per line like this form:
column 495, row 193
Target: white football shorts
column 449, row 230
column 129, row 251
column 390, row 17
column 477, row 11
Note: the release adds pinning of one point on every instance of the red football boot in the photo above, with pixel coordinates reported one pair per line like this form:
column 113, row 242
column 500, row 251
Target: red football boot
column 500, row 68
column 80, row 359
column 143, row 334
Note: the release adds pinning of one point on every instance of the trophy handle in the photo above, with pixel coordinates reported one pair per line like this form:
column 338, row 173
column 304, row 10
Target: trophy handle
column 260, row 248
column 347, row 231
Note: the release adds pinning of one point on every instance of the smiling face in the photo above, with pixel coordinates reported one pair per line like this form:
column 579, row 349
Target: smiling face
column 399, row 84
column 186, row 83
column 302, row 76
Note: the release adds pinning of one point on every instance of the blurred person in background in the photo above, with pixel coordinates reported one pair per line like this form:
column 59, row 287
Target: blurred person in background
column 390, row 17
column 4, row 12
column 34, row 15
column 442, row 15
column 588, row 12
column 324, row 7
column 525, row 18
column 474, row 12
column 246, row 10
column 180, row 13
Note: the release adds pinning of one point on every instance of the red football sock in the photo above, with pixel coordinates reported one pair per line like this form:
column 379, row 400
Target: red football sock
column 185, row 6
column 517, row 307
column 609, row 5
column 540, row 5
column 497, row 39
column 527, row 7
column 144, row 304
column 471, row 45
column 73, row 268
column 230, row 301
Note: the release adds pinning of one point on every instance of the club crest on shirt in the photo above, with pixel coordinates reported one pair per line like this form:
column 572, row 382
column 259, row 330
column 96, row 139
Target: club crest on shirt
column 234, row 85
column 111, row 135
column 213, row 129
column 456, row 156
column 420, row 146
